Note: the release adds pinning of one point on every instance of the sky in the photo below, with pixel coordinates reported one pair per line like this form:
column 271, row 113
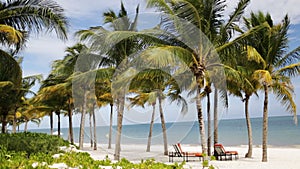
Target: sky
column 43, row 49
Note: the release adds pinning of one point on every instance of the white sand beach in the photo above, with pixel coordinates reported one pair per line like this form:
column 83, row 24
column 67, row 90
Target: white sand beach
column 278, row 157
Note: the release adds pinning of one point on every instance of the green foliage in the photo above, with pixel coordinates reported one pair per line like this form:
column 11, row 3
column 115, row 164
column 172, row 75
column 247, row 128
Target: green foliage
column 148, row 164
column 26, row 150
column 32, row 143
column 73, row 159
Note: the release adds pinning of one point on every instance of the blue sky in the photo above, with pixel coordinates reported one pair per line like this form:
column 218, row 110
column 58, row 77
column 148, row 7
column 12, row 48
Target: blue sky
column 41, row 51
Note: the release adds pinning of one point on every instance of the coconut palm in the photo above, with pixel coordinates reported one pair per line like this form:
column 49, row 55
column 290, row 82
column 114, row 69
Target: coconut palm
column 207, row 16
column 244, row 88
column 58, row 82
column 64, row 69
column 30, row 112
column 149, row 85
column 114, row 53
column 140, row 100
column 10, row 85
column 269, row 48
column 104, row 97
column 27, row 83
column 154, row 82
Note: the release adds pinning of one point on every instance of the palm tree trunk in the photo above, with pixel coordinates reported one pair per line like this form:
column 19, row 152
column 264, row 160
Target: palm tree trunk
column 249, row 127
column 265, row 126
column 26, row 126
column 119, row 127
column 51, row 122
column 151, row 128
column 70, row 114
column 82, row 122
column 71, row 135
column 4, row 122
column 110, row 126
column 95, row 128
column 163, row 124
column 14, row 129
column 58, row 122
column 201, row 121
column 91, row 129
column 216, row 116
column 208, row 125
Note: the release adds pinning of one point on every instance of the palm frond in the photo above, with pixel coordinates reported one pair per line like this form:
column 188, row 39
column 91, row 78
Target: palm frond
column 291, row 57
column 291, row 70
column 11, row 36
column 254, row 55
column 263, row 76
column 284, row 93
column 35, row 16
column 237, row 14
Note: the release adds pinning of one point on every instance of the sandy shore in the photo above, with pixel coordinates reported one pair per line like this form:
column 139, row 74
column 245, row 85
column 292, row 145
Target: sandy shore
column 278, row 157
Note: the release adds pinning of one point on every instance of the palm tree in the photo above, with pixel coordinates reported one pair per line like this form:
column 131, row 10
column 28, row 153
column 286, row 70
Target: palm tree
column 30, row 112
column 27, row 83
column 66, row 68
column 154, row 83
column 244, row 88
column 140, row 100
column 269, row 48
column 117, row 53
column 10, row 85
column 58, row 83
column 207, row 17
column 104, row 97
column 149, row 85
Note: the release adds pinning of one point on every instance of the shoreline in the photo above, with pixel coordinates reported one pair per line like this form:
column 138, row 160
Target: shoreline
column 278, row 157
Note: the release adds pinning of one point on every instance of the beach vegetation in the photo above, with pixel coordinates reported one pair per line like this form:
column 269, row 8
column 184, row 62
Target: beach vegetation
column 31, row 143
column 32, row 150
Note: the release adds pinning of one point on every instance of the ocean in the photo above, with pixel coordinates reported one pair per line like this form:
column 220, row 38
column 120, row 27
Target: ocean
column 282, row 131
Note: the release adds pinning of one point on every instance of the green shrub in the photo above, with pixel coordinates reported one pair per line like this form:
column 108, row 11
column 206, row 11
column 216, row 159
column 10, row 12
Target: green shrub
column 32, row 143
column 22, row 150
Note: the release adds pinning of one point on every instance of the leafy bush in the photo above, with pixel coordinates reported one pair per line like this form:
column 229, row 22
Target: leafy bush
column 35, row 150
column 32, row 143
column 148, row 164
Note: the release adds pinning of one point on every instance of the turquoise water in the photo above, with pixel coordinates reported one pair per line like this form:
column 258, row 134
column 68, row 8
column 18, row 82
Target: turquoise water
column 282, row 132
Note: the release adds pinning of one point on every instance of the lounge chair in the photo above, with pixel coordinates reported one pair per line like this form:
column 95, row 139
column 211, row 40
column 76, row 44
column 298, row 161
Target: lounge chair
column 173, row 154
column 221, row 154
column 185, row 155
